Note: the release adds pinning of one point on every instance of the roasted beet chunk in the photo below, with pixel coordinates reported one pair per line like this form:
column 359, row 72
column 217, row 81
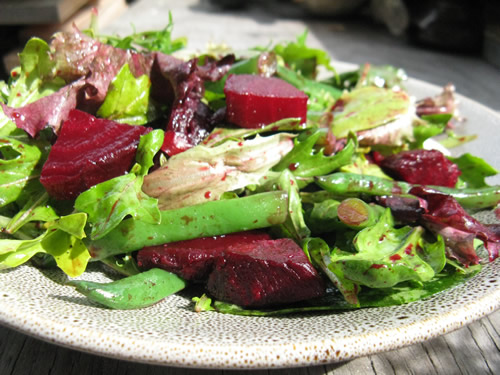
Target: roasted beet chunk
column 193, row 259
column 264, row 273
column 425, row 167
column 88, row 151
column 254, row 101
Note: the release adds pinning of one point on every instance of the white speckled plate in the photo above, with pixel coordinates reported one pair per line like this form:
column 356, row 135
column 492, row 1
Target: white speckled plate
column 171, row 333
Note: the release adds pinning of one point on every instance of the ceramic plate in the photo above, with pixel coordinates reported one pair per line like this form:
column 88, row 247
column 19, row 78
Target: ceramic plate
column 171, row 333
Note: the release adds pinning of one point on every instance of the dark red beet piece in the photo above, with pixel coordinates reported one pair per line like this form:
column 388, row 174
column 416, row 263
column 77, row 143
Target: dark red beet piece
column 88, row 151
column 425, row 167
column 193, row 259
column 264, row 273
column 254, row 101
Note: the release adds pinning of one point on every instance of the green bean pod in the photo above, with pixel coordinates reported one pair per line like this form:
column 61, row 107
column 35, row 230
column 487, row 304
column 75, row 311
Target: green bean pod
column 132, row 292
column 352, row 184
column 206, row 219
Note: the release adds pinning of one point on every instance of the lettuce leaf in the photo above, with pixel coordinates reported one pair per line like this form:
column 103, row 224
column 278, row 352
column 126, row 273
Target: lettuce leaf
column 18, row 165
column 127, row 100
column 109, row 202
column 202, row 173
column 63, row 239
column 383, row 257
column 474, row 170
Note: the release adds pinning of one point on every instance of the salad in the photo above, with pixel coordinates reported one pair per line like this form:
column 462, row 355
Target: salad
column 276, row 183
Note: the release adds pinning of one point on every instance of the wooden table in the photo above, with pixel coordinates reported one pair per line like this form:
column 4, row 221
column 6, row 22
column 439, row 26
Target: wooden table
column 474, row 349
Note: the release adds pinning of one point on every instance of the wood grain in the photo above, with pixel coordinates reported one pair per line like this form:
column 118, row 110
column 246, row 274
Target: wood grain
column 474, row 349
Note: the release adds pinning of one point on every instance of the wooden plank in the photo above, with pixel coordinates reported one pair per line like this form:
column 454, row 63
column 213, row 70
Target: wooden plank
column 108, row 10
column 22, row 12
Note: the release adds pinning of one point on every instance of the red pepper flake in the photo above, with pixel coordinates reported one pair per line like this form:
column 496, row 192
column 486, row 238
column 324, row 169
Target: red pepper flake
column 377, row 266
column 240, row 144
column 208, row 194
column 14, row 74
column 293, row 166
column 395, row 257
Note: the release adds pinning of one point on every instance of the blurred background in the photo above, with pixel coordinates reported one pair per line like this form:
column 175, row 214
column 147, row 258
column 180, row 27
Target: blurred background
column 456, row 27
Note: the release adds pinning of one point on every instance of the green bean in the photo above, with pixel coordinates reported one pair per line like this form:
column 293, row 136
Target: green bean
column 206, row 219
column 351, row 184
column 133, row 292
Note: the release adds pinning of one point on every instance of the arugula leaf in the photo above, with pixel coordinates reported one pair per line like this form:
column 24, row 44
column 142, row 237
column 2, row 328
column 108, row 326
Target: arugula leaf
column 18, row 165
column 302, row 58
column 62, row 240
column 304, row 161
column 127, row 99
column 474, row 170
column 160, row 40
column 387, row 256
column 35, row 209
column 109, row 202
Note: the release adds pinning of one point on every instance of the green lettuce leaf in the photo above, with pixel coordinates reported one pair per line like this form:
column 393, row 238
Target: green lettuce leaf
column 321, row 96
column 294, row 225
column 127, row 100
column 34, row 79
column 221, row 135
column 18, row 165
column 387, row 256
column 474, row 170
column 302, row 58
column 109, row 202
column 35, row 209
column 62, row 239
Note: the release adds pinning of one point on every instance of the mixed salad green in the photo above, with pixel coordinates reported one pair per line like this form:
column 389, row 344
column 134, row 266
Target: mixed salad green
column 194, row 174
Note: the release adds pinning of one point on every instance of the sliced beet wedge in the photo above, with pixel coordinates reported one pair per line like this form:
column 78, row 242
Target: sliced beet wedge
column 88, row 151
column 253, row 101
column 193, row 259
column 264, row 273
column 424, row 167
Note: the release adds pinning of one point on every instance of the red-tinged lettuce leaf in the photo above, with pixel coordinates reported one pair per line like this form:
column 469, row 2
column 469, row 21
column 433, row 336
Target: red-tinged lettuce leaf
column 50, row 110
column 445, row 216
column 190, row 119
column 109, row 202
column 443, row 103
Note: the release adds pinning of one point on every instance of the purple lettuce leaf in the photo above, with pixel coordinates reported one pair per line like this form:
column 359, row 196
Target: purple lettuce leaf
column 446, row 217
